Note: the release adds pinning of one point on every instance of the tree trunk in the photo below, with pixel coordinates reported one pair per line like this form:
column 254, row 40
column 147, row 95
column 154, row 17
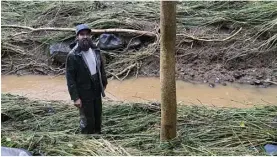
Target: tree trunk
column 167, row 70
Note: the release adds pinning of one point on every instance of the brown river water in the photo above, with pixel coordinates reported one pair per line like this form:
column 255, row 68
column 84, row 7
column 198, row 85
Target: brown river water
column 144, row 89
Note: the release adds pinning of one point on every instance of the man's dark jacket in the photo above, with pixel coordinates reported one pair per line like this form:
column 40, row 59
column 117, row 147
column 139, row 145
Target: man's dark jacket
column 79, row 80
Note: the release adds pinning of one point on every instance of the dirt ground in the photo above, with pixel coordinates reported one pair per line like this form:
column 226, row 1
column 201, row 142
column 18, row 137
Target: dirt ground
column 209, row 68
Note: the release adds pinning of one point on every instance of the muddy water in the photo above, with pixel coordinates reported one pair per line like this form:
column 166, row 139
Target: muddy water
column 144, row 89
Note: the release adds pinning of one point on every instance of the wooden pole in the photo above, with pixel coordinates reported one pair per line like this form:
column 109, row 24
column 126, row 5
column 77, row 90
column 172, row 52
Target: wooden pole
column 167, row 70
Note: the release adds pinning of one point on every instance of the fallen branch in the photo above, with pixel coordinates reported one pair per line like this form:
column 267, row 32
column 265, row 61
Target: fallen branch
column 16, row 49
column 208, row 40
column 272, row 82
column 126, row 75
column 126, row 69
column 113, row 75
column 95, row 31
column 19, row 68
column 38, row 29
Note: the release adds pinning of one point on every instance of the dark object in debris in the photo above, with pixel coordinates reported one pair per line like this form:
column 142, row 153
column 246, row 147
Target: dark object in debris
column 253, row 148
column 237, row 75
column 275, row 119
column 260, row 77
column 49, row 109
column 153, row 107
column 6, row 151
column 231, row 80
column 262, row 86
column 274, row 122
column 112, row 42
column 266, row 84
column 212, row 85
column 217, row 80
column 224, row 84
column 109, row 42
column 271, row 149
column 258, row 82
column 134, row 43
column 205, row 81
column 5, row 117
column 37, row 152
column 156, row 104
column 59, row 51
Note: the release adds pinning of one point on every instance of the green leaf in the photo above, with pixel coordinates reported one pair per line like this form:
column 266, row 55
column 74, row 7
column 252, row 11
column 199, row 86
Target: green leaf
column 8, row 139
column 242, row 124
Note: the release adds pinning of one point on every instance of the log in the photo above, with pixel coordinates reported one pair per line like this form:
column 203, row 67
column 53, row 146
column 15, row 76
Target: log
column 94, row 31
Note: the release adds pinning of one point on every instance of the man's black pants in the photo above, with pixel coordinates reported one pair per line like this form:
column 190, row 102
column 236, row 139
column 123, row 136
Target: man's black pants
column 91, row 110
column 91, row 116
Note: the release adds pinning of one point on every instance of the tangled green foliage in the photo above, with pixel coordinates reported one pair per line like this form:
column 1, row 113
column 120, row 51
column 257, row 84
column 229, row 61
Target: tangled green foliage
column 51, row 128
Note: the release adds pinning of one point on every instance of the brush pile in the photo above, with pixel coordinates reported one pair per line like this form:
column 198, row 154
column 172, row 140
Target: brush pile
column 51, row 128
column 233, row 40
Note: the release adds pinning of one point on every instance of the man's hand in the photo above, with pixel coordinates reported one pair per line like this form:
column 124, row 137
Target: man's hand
column 78, row 103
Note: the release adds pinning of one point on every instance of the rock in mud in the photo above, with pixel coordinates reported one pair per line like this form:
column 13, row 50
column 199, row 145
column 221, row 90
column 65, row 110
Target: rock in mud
column 224, row 84
column 59, row 51
column 109, row 42
column 112, row 42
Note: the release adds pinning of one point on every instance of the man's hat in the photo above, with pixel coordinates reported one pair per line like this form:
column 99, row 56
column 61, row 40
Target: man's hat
column 82, row 27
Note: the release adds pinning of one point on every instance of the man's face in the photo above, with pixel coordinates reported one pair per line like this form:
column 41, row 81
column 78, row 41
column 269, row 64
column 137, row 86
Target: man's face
column 84, row 34
column 84, row 40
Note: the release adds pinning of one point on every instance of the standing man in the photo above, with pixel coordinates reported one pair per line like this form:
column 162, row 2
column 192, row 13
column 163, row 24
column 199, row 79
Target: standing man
column 86, row 80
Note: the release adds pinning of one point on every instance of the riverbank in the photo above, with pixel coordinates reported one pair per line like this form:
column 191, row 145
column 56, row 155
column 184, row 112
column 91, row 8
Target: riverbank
column 51, row 128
